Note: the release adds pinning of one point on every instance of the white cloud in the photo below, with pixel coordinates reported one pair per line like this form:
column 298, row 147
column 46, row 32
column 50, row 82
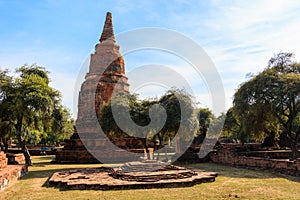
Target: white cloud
column 250, row 33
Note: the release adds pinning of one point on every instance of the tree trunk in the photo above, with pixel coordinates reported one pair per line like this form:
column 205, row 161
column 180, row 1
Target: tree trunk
column 144, row 140
column 294, row 147
column 5, row 145
column 294, row 144
column 1, row 146
column 21, row 141
column 24, row 149
column 295, row 153
column 160, row 139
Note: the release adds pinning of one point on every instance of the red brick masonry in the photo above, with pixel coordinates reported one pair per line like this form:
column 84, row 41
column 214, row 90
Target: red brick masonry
column 10, row 173
column 3, row 160
column 227, row 155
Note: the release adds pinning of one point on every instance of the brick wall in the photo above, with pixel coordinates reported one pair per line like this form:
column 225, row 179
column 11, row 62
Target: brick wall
column 3, row 160
column 230, row 157
column 9, row 173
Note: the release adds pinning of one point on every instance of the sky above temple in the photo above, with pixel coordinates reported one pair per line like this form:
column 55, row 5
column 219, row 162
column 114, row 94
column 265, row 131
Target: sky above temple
column 239, row 36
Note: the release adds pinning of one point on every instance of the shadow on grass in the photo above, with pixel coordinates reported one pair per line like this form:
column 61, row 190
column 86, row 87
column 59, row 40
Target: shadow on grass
column 46, row 157
column 47, row 173
column 240, row 172
column 43, row 168
column 43, row 173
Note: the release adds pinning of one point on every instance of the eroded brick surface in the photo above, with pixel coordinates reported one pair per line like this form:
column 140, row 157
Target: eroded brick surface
column 9, row 174
column 227, row 155
column 105, row 178
column 106, row 75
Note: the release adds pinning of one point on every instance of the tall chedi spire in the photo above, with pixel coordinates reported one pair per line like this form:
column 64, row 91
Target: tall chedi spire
column 108, row 29
column 106, row 71
column 106, row 75
column 113, row 77
column 107, row 56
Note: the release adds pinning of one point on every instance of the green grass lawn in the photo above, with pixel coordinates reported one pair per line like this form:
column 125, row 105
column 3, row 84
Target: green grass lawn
column 231, row 183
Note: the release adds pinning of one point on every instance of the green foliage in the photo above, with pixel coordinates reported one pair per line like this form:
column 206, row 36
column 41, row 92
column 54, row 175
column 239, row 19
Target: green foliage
column 181, row 116
column 204, row 116
column 6, row 126
column 216, row 126
column 178, row 107
column 232, row 126
column 108, row 121
column 269, row 102
column 31, row 108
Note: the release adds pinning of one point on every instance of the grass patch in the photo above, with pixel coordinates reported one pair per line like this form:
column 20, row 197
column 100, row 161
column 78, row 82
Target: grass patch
column 231, row 183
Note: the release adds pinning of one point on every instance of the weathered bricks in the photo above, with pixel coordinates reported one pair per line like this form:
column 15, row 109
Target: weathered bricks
column 9, row 173
column 227, row 155
column 3, row 160
column 106, row 75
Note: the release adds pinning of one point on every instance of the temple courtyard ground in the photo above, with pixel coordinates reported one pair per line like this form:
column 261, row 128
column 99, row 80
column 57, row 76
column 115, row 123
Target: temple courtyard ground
column 231, row 183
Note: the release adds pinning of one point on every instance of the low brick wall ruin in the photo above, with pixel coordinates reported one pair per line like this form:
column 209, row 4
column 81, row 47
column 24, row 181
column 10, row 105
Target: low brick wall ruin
column 3, row 160
column 10, row 173
column 15, row 159
column 274, row 154
column 228, row 156
column 75, row 151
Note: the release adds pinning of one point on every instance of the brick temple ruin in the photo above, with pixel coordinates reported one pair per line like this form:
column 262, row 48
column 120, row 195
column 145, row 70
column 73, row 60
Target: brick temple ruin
column 132, row 175
column 105, row 77
column 252, row 156
column 9, row 173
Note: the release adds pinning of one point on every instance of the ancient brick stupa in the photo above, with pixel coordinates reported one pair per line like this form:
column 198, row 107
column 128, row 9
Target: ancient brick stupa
column 106, row 75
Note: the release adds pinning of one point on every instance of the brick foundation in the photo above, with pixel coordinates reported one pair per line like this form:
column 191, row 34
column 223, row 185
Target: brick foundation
column 229, row 157
column 3, row 160
column 75, row 152
column 15, row 159
column 10, row 173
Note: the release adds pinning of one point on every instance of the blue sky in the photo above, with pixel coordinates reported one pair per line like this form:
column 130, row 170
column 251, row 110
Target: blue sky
column 239, row 36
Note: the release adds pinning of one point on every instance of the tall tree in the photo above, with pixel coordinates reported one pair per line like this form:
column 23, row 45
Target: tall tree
column 6, row 125
column 272, row 96
column 181, row 116
column 256, row 123
column 204, row 116
column 57, row 125
column 114, row 114
column 28, row 97
column 147, row 117
column 232, row 126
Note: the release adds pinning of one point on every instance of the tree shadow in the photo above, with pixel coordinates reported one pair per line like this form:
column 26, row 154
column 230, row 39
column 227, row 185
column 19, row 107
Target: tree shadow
column 46, row 157
column 47, row 174
column 242, row 172
column 43, row 168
